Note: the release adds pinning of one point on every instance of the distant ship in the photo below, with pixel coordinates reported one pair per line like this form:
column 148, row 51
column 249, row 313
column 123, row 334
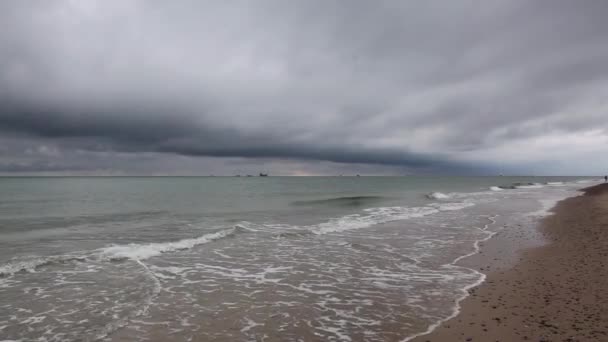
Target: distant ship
column 263, row 174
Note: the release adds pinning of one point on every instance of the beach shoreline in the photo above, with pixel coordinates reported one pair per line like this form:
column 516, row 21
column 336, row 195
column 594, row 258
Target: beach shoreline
column 545, row 284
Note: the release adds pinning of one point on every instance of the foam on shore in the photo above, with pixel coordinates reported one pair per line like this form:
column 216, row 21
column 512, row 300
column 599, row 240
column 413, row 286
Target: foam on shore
column 548, row 205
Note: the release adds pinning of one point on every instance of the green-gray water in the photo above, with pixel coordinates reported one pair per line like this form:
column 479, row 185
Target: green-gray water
column 246, row 258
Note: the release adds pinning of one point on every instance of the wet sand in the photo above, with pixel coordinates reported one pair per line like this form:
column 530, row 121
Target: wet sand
column 554, row 292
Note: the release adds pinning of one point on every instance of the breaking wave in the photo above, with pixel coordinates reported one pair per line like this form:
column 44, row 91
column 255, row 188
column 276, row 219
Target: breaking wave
column 145, row 251
column 114, row 253
column 437, row 195
column 31, row 264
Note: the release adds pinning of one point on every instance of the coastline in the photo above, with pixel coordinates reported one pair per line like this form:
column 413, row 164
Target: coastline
column 545, row 284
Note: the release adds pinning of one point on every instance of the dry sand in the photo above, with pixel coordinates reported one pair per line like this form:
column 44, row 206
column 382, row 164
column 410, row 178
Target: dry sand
column 554, row 292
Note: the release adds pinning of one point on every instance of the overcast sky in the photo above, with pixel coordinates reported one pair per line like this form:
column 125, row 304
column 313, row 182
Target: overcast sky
column 304, row 87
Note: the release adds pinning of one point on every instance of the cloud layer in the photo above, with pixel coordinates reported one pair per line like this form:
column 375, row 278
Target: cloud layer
column 304, row 86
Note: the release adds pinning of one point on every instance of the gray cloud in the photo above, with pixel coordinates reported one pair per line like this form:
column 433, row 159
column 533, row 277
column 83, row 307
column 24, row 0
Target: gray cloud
column 453, row 87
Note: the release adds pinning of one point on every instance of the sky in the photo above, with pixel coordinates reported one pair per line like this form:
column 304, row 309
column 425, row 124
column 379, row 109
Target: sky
column 310, row 87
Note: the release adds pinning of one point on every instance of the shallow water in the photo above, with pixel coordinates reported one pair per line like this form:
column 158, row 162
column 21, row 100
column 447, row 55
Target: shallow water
column 240, row 259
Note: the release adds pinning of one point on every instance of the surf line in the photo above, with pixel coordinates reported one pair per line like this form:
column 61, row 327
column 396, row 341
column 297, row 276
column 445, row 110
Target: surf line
column 465, row 290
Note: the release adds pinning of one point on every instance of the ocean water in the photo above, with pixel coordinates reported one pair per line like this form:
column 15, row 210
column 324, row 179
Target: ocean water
column 249, row 258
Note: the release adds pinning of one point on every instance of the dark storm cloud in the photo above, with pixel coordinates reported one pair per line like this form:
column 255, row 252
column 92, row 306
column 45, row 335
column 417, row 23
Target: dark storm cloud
column 127, row 133
column 455, row 86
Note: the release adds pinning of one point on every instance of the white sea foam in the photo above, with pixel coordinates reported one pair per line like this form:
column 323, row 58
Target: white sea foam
column 465, row 290
column 438, row 195
column 371, row 217
column 31, row 264
column 144, row 251
column 546, row 205
column 452, row 206
column 496, row 188
column 249, row 324
column 131, row 251
column 21, row 266
column 529, row 186
column 374, row 216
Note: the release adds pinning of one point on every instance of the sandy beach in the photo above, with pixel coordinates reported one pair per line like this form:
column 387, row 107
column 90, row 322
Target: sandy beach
column 554, row 292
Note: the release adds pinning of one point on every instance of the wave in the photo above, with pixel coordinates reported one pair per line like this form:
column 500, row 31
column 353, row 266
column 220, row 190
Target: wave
column 31, row 264
column 131, row 251
column 138, row 252
column 374, row 216
column 371, row 217
column 348, row 201
column 528, row 186
column 520, row 185
column 437, row 195
column 144, row 251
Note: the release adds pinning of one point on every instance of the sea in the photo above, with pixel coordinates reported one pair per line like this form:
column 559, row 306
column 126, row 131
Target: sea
column 249, row 258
